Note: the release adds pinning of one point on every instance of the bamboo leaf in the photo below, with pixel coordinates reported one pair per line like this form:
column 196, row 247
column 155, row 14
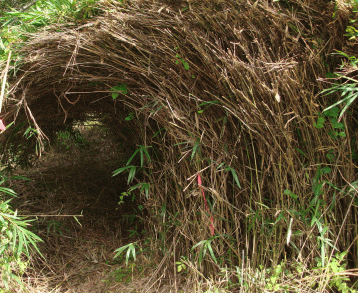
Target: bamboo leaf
column 211, row 252
column 131, row 158
column 132, row 172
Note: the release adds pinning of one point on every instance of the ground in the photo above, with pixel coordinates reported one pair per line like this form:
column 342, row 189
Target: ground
column 74, row 197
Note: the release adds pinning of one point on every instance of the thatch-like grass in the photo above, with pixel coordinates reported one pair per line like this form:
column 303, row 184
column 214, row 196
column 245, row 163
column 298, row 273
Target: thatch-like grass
column 224, row 89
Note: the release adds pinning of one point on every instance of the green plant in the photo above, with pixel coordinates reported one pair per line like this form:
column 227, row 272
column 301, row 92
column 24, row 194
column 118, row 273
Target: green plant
column 69, row 138
column 57, row 227
column 142, row 187
column 122, row 196
column 181, row 59
column 313, row 215
column 205, row 245
column 335, row 270
column 45, row 12
column 233, row 173
column 181, row 266
column 143, row 152
column 272, row 279
column 206, row 105
column 15, row 239
column 120, row 88
column 124, row 274
column 131, row 251
column 337, row 127
column 348, row 88
column 349, row 92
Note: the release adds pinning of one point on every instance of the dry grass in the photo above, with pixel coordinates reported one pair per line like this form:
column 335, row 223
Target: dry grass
column 79, row 254
column 234, row 84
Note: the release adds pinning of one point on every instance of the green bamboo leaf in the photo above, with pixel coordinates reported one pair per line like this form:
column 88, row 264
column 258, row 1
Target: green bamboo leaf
column 234, row 175
column 20, row 245
column 130, row 250
column 141, row 155
column 128, row 255
column 2, row 249
column 203, row 251
column 159, row 131
column 2, row 220
column 120, row 250
column 221, row 165
column 131, row 174
column 145, row 150
column 211, row 252
column 120, row 170
column 349, row 102
column 133, row 252
column 13, row 237
column 195, row 149
column 145, row 187
column 8, row 191
column 131, row 158
column 199, row 244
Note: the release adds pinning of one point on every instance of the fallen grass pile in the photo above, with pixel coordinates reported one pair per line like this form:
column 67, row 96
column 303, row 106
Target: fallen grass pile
column 226, row 90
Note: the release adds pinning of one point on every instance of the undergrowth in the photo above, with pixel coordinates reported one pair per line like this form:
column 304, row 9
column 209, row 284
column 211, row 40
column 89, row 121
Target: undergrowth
column 16, row 240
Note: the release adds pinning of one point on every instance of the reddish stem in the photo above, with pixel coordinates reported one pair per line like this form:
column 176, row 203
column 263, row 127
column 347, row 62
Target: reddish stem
column 207, row 207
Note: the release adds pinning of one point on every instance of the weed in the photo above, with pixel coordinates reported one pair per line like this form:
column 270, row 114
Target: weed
column 132, row 169
column 131, row 251
column 16, row 240
column 205, row 245
column 56, row 227
column 181, row 59
column 120, row 88
column 181, row 266
column 69, row 138
column 334, row 270
column 123, row 275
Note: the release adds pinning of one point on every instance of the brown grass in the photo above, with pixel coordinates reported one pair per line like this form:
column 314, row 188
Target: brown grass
column 259, row 62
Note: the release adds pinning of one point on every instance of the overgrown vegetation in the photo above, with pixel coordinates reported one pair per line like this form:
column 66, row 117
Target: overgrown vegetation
column 235, row 121
column 16, row 240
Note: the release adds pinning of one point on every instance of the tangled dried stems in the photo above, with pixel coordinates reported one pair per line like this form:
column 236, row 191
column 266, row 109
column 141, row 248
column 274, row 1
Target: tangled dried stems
column 233, row 84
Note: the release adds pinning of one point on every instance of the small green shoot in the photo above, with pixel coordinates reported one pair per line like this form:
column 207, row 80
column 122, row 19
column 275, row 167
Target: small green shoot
column 337, row 127
column 120, row 88
column 233, row 173
column 181, row 59
column 131, row 251
column 181, row 266
column 196, row 149
column 129, row 117
column 185, row 64
column 204, row 246
column 143, row 150
column 131, row 169
column 143, row 187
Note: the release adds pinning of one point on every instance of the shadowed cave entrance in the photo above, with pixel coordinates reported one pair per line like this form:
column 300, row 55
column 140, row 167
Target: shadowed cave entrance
column 83, row 212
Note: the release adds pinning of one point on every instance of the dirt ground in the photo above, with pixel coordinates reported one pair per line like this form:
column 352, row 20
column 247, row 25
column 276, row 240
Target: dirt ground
column 74, row 199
